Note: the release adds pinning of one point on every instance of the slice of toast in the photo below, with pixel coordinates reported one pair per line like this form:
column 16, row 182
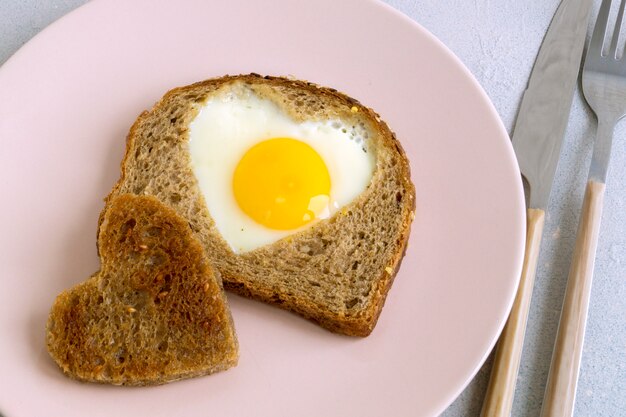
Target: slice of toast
column 337, row 272
column 154, row 313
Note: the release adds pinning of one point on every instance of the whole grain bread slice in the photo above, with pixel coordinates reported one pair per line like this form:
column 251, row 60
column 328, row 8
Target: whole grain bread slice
column 154, row 313
column 337, row 272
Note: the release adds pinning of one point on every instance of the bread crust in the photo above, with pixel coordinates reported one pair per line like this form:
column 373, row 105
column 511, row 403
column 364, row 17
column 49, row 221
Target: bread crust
column 237, row 270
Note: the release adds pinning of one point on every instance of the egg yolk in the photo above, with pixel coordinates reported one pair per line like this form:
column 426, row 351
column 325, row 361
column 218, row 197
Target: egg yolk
column 282, row 183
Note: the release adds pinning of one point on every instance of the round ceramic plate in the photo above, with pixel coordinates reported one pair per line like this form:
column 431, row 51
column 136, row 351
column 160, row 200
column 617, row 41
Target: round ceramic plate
column 69, row 97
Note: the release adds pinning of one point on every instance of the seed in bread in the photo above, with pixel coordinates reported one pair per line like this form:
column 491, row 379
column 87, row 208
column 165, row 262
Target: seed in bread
column 335, row 271
column 154, row 313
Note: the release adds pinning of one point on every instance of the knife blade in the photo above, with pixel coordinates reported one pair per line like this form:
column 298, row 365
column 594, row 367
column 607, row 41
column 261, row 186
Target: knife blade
column 545, row 107
column 537, row 138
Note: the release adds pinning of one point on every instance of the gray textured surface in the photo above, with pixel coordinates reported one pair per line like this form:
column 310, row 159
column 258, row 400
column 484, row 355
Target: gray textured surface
column 498, row 41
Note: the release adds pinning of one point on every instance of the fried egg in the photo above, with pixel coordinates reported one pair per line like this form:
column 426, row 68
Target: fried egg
column 265, row 176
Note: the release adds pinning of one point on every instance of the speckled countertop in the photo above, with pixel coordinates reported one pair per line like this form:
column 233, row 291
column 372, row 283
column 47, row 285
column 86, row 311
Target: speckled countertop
column 498, row 41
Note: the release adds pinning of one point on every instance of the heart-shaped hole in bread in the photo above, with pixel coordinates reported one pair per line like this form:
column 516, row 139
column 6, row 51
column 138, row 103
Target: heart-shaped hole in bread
column 154, row 313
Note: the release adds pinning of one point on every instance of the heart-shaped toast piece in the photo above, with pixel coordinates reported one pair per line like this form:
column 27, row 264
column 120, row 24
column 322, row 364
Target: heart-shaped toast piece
column 154, row 313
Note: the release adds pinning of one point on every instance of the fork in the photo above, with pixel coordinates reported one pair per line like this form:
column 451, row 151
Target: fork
column 604, row 88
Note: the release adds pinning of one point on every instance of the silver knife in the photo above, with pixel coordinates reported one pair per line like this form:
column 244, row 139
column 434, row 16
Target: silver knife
column 537, row 140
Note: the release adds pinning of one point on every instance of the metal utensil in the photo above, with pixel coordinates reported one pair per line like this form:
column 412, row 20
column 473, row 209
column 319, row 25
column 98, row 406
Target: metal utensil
column 604, row 87
column 537, row 142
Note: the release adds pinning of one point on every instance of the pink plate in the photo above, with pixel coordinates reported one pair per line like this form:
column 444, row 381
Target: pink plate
column 67, row 101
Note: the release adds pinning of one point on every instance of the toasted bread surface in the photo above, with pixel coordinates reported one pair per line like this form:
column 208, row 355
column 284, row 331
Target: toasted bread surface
column 337, row 272
column 154, row 313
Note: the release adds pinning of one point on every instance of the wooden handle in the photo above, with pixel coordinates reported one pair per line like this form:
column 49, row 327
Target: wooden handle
column 563, row 377
column 499, row 397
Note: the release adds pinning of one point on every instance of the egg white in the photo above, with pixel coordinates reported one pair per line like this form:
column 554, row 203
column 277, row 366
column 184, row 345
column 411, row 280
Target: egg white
column 229, row 124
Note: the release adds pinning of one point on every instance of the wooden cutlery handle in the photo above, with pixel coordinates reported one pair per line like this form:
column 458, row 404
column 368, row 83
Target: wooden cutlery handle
column 563, row 378
column 499, row 397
